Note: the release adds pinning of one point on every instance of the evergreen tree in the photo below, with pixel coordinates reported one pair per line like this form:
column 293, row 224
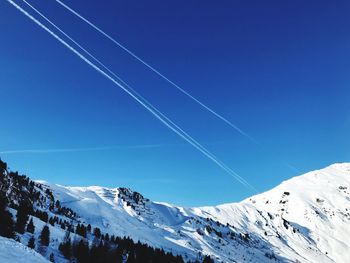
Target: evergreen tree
column 45, row 217
column 22, row 217
column 31, row 242
column 97, row 232
column 52, row 221
column 52, row 257
column 81, row 230
column 30, row 226
column 45, row 236
column 3, row 167
column 6, row 222
column 207, row 259
column 66, row 247
column 82, row 251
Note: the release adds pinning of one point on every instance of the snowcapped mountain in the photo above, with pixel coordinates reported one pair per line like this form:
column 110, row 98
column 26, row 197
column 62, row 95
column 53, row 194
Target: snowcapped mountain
column 304, row 219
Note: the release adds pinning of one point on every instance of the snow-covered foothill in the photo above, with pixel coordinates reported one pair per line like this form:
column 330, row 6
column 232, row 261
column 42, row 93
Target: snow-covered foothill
column 14, row 252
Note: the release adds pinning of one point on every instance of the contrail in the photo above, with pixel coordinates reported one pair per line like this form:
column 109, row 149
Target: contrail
column 65, row 150
column 77, row 44
column 117, row 77
column 111, row 72
column 199, row 148
column 291, row 167
column 159, row 73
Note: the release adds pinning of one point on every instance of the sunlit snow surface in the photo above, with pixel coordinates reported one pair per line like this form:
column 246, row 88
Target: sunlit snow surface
column 306, row 219
column 14, row 252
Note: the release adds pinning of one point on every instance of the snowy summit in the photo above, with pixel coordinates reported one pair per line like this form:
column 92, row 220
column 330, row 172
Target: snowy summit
column 304, row 219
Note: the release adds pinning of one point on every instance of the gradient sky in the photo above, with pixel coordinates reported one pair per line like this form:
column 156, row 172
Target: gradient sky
column 277, row 69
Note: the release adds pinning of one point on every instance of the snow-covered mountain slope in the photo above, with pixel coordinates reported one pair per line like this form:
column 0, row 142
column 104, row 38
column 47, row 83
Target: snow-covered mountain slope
column 123, row 212
column 304, row 219
column 14, row 252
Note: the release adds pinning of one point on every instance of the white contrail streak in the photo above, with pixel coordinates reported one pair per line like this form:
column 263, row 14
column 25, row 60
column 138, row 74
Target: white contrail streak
column 77, row 44
column 200, row 148
column 158, row 72
column 291, row 167
column 111, row 72
column 65, row 150
column 119, row 79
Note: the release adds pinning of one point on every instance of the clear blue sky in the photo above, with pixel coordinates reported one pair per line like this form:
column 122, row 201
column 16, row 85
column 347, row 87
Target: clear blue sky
column 277, row 69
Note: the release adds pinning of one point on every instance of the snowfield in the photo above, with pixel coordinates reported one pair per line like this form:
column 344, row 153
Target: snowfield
column 14, row 252
column 304, row 219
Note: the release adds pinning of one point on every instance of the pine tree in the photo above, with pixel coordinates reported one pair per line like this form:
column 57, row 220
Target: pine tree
column 65, row 247
column 81, row 230
column 52, row 221
column 30, row 226
column 207, row 259
column 6, row 222
column 22, row 217
column 31, row 242
column 3, row 167
column 83, row 252
column 45, row 236
column 52, row 257
column 97, row 232
column 45, row 217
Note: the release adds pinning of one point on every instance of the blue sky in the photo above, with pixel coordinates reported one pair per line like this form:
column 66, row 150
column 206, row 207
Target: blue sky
column 277, row 69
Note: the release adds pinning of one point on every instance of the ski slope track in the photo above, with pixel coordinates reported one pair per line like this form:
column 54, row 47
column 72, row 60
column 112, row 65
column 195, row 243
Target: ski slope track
column 304, row 219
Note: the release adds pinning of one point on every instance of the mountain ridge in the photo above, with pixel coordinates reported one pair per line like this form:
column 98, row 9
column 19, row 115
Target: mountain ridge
column 158, row 219
column 303, row 219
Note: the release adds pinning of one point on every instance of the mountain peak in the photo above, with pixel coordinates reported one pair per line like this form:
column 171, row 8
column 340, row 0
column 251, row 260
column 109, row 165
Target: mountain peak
column 304, row 219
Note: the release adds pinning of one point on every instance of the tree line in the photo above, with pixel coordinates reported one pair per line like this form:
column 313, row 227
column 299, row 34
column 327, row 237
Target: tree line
column 91, row 246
